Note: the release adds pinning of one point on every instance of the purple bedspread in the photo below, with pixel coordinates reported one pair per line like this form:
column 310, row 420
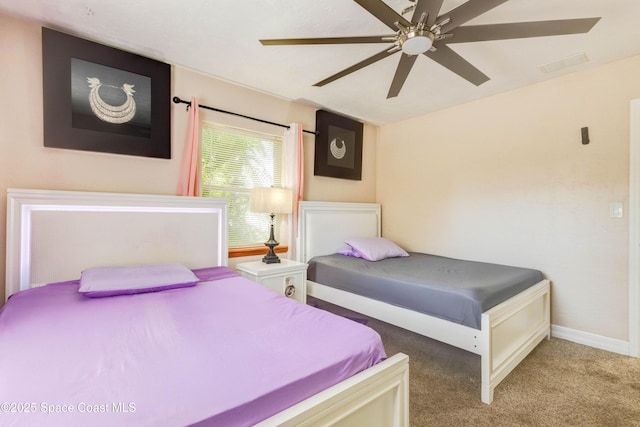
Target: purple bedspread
column 226, row 352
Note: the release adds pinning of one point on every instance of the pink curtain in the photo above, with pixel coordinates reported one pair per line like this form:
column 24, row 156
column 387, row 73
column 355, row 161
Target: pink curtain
column 189, row 180
column 294, row 178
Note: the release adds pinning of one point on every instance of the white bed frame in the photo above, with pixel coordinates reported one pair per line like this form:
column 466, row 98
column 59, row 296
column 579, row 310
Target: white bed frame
column 509, row 331
column 54, row 235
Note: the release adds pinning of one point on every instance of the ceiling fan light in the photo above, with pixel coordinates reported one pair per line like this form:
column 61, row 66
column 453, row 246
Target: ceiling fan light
column 417, row 42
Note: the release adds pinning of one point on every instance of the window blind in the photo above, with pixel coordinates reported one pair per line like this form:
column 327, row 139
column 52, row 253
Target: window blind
column 233, row 162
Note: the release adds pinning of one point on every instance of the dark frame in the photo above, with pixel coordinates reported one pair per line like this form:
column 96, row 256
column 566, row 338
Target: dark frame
column 69, row 123
column 338, row 151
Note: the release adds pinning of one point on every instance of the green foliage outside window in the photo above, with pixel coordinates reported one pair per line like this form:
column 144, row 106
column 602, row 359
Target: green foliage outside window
column 233, row 162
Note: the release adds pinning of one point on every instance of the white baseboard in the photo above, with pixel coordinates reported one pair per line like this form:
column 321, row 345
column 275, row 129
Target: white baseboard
column 592, row 340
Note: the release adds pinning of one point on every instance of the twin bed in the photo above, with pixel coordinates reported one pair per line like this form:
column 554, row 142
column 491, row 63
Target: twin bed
column 215, row 350
column 498, row 312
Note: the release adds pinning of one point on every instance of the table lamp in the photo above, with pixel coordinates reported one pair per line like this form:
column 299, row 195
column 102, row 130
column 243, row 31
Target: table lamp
column 271, row 200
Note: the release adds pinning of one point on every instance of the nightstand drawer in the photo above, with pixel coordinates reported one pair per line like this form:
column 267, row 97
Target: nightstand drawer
column 288, row 277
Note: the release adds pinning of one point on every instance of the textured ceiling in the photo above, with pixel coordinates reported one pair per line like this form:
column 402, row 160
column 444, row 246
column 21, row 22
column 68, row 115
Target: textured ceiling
column 220, row 38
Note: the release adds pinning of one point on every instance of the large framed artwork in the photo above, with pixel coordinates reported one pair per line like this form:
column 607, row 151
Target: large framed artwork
column 338, row 151
column 97, row 98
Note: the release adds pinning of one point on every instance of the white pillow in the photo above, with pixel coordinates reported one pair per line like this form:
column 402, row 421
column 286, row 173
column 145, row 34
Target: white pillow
column 375, row 248
column 120, row 280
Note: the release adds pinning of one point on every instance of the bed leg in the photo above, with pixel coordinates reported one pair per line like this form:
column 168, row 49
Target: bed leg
column 487, row 394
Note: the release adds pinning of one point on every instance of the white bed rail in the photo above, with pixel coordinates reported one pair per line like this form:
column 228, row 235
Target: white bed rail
column 377, row 397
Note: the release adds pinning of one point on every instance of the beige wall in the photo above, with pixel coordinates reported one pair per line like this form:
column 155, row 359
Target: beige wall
column 507, row 180
column 26, row 163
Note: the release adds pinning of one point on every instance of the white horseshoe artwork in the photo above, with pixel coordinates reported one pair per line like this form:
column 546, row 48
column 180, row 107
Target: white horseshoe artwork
column 338, row 152
column 117, row 114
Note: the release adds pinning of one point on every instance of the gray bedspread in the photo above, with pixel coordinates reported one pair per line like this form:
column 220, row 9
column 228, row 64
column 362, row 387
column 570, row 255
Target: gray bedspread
column 451, row 289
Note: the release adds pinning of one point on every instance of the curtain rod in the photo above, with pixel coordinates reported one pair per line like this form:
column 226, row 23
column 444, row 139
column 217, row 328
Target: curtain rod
column 177, row 100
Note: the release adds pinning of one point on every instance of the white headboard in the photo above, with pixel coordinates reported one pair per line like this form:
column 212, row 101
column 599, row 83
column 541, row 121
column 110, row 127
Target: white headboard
column 324, row 226
column 54, row 235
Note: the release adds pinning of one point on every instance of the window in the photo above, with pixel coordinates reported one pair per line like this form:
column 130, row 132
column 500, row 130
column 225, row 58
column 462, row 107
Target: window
column 233, row 162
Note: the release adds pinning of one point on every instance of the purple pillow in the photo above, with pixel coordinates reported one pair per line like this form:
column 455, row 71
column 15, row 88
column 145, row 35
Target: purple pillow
column 349, row 251
column 127, row 280
column 375, row 248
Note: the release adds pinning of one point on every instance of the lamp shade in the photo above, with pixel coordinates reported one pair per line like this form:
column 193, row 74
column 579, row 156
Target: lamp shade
column 271, row 200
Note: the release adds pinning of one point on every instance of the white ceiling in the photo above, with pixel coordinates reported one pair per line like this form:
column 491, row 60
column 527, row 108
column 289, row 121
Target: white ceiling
column 220, row 38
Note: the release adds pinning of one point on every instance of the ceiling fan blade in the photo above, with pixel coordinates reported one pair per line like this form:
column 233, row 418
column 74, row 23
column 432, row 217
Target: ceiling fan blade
column 375, row 58
column 404, row 67
column 449, row 59
column 432, row 7
column 384, row 13
column 466, row 12
column 328, row 40
column 518, row 30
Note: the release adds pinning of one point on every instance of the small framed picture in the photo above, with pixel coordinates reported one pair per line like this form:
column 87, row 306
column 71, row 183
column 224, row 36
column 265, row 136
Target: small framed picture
column 97, row 98
column 338, row 152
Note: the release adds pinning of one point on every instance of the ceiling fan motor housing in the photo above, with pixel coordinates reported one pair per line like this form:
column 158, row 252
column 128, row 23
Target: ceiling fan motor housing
column 416, row 42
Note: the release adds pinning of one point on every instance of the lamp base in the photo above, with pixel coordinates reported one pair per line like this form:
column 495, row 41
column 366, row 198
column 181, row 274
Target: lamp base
column 271, row 257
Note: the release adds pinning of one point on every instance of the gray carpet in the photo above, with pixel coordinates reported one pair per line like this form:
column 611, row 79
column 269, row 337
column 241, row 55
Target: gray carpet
column 559, row 384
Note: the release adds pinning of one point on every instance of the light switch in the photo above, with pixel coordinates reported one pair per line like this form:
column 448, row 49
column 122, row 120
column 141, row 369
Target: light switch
column 616, row 210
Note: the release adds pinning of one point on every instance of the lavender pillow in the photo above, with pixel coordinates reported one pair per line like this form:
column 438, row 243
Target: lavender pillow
column 127, row 280
column 375, row 248
column 349, row 251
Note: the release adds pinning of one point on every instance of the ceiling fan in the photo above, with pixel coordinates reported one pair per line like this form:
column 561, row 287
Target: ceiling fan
column 430, row 34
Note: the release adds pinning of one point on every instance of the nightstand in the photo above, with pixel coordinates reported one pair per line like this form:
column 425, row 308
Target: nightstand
column 286, row 277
